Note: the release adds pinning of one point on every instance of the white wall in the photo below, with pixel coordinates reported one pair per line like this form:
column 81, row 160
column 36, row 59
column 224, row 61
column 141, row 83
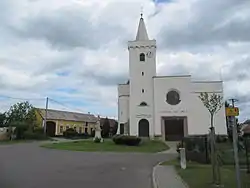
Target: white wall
column 198, row 117
column 162, row 109
column 200, row 120
column 139, row 82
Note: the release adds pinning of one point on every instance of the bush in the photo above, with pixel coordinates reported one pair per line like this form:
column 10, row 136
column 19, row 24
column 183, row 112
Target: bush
column 20, row 129
column 126, row 140
column 28, row 135
column 221, row 138
column 39, row 130
column 83, row 135
column 97, row 140
column 70, row 133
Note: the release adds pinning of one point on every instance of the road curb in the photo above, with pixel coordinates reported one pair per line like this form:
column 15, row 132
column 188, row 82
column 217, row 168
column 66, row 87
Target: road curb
column 155, row 184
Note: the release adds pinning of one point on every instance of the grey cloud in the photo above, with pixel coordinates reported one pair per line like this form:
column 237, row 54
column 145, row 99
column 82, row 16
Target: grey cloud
column 68, row 28
column 106, row 80
column 211, row 25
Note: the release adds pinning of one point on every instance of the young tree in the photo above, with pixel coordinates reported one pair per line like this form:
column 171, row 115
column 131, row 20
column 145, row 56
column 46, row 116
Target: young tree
column 2, row 119
column 213, row 103
column 106, row 128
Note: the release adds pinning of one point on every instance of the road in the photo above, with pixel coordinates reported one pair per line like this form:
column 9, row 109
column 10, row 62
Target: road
column 30, row 166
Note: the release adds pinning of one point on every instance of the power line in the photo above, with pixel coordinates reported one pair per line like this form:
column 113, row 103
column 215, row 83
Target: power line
column 66, row 106
column 18, row 98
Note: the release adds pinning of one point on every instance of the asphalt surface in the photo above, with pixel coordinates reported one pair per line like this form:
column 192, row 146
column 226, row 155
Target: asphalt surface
column 30, row 166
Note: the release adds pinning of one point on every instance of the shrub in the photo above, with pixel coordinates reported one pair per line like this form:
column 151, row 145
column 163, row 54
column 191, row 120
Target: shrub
column 97, row 140
column 39, row 130
column 70, row 133
column 28, row 135
column 221, row 138
column 20, row 129
column 83, row 135
column 126, row 140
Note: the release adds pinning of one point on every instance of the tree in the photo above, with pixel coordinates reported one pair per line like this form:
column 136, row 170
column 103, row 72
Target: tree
column 21, row 112
column 106, row 128
column 114, row 128
column 2, row 119
column 213, row 103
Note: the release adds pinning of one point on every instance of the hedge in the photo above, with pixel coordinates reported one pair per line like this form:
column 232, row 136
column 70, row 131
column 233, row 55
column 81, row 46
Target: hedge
column 126, row 140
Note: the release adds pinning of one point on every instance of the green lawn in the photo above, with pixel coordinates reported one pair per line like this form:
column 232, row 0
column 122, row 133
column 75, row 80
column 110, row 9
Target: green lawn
column 200, row 176
column 108, row 146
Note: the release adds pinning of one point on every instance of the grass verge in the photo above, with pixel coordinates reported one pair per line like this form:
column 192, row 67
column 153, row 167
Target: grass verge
column 200, row 175
column 109, row 146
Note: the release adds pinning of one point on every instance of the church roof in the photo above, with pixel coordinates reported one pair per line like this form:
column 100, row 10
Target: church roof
column 142, row 34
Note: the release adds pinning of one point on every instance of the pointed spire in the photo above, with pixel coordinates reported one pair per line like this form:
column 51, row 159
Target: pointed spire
column 142, row 31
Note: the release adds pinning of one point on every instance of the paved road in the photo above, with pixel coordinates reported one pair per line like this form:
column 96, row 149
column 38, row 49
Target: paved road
column 29, row 166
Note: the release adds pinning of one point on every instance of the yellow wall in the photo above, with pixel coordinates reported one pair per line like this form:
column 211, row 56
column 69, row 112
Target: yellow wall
column 39, row 118
column 64, row 124
column 72, row 124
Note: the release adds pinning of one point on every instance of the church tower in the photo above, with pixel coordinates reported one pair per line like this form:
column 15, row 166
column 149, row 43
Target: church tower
column 142, row 69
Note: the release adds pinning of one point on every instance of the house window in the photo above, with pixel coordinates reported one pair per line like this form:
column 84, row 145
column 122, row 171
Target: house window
column 142, row 90
column 80, row 130
column 142, row 73
column 86, row 130
column 61, row 129
column 75, row 128
column 142, row 57
column 86, row 123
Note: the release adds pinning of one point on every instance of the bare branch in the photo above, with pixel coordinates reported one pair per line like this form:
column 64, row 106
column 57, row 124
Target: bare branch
column 212, row 102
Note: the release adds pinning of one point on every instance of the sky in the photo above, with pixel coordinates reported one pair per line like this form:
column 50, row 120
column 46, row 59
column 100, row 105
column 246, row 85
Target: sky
column 75, row 51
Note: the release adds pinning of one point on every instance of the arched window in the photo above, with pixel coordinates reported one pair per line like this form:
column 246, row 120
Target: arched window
column 143, row 104
column 142, row 57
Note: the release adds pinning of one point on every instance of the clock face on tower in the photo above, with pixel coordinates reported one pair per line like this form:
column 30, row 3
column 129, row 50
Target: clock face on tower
column 149, row 54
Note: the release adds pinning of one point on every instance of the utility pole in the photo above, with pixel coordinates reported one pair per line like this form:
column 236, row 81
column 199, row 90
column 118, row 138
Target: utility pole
column 46, row 113
column 235, row 145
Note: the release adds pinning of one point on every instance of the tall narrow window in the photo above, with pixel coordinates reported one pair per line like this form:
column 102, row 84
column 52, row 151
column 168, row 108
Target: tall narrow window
column 142, row 73
column 142, row 90
column 142, row 57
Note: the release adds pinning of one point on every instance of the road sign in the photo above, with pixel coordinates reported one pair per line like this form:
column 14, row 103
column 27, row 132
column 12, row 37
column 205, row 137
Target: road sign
column 232, row 111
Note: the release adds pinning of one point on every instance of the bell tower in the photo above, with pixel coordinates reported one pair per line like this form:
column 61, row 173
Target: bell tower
column 142, row 69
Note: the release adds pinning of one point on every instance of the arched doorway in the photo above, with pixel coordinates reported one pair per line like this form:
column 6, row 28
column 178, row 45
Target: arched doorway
column 50, row 128
column 143, row 128
column 122, row 128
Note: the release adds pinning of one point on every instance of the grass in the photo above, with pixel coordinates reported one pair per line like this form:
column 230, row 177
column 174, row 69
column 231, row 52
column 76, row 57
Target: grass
column 109, row 146
column 199, row 175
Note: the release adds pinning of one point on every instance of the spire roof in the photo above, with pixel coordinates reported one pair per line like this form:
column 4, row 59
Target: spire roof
column 142, row 31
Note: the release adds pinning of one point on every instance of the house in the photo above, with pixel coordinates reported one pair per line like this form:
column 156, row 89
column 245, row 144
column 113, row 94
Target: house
column 162, row 106
column 58, row 121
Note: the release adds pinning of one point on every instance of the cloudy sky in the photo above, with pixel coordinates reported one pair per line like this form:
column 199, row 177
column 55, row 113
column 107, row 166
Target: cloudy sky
column 75, row 51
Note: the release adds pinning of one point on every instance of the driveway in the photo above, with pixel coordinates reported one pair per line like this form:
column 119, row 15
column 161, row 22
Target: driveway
column 30, row 166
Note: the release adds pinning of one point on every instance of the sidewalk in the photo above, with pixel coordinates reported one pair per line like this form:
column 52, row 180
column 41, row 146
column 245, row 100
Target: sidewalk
column 166, row 177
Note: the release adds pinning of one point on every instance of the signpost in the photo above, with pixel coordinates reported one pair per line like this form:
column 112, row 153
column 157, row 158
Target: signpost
column 232, row 111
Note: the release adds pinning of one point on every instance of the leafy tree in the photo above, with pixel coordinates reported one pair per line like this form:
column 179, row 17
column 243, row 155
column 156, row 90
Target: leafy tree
column 21, row 112
column 106, row 128
column 213, row 103
column 114, row 128
column 2, row 119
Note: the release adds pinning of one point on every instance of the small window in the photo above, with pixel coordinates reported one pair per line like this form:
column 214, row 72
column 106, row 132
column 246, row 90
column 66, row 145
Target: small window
column 86, row 123
column 143, row 104
column 142, row 57
column 80, row 130
column 142, row 90
column 61, row 129
column 86, row 130
column 142, row 73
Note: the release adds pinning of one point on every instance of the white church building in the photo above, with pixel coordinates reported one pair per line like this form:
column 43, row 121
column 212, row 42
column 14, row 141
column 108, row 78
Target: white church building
column 162, row 106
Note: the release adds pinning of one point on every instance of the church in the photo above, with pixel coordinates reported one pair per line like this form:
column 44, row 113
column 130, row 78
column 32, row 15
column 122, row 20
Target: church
column 168, row 107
